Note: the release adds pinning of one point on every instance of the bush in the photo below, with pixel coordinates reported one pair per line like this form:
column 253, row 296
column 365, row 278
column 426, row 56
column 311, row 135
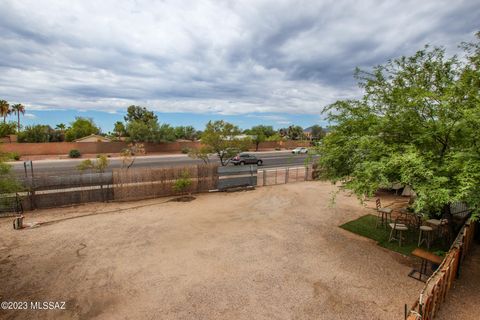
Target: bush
column 185, row 150
column 183, row 183
column 7, row 129
column 9, row 156
column 14, row 156
column 36, row 133
column 74, row 153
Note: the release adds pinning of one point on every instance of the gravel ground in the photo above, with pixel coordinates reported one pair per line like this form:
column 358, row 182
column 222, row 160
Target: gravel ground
column 463, row 300
column 272, row 253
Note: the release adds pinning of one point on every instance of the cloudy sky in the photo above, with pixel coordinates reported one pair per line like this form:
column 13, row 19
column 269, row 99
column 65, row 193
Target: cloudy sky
column 250, row 62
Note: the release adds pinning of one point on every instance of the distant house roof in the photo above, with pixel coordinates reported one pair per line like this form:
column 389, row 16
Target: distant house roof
column 93, row 138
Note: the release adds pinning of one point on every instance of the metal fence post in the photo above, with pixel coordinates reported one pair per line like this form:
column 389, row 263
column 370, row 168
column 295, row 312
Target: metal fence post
column 287, row 173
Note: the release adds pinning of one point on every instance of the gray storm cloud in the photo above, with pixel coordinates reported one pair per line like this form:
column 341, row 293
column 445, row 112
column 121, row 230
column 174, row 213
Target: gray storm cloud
column 225, row 57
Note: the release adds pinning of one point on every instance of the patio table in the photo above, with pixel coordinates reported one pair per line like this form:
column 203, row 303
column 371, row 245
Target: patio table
column 425, row 257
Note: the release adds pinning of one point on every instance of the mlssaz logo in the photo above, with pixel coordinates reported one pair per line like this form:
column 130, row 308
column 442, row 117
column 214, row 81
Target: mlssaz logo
column 47, row 305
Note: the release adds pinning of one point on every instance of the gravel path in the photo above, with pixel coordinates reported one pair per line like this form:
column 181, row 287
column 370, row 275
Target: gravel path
column 272, row 253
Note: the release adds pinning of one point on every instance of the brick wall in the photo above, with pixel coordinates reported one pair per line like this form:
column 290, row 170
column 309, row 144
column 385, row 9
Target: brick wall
column 62, row 148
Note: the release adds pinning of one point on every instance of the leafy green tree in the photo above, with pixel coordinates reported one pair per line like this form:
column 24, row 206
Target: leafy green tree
column 80, row 128
column 220, row 138
column 202, row 153
column 7, row 129
column 119, row 129
column 295, row 133
column 36, row 133
column 4, row 110
column 417, row 124
column 18, row 109
column 185, row 132
column 317, row 132
column 138, row 131
column 260, row 134
column 142, row 114
column 275, row 137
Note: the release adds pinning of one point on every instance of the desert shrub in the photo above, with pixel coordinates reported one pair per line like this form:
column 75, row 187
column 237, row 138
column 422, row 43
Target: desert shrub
column 183, row 183
column 185, row 150
column 14, row 156
column 74, row 153
column 7, row 129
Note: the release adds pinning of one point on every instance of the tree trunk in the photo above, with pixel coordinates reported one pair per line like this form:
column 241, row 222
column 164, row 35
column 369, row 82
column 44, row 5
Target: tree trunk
column 447, row 214
column 18, row 115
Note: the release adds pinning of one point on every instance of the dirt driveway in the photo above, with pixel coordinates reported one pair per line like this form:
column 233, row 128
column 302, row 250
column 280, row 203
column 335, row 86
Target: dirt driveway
column 272, row 253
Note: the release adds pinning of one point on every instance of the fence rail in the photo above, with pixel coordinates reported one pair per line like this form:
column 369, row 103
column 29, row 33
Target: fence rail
column 47, row 190
column 283, row 175
column 438, row 285
column 144, row 183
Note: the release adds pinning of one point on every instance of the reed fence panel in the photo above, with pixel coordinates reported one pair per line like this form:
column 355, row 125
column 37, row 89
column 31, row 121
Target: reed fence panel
column 144, row 183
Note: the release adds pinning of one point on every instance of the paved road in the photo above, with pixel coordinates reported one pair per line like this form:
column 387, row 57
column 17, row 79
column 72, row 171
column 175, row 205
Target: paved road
column 270, row 159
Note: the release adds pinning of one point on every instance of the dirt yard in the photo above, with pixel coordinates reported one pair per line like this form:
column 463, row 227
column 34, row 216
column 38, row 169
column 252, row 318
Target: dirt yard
column 273, row 253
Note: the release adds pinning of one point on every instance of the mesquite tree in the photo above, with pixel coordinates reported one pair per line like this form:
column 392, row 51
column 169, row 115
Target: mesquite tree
column 417, row 124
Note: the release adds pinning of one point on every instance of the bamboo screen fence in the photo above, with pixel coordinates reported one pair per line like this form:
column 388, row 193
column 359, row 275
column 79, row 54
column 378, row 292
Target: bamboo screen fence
column 144, row 183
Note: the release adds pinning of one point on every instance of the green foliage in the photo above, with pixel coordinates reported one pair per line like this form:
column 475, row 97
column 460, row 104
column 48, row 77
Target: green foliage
column 317, row 132
column 4, row 110
column 8, row 182
column 80, row 128
column 18, row 109
column 185, row 150
column 186, row 133
column 36, row 133
column 139, row 131
column 141, row 114
column 182, row 184
column 12, row 156
column 260, row 134
column 98, row 166
column 220, row 137
column 130, row 153
column 275, row 137
column 201, row 153
column 292, row 133
column 119, row 129
column 7, row 128
column 74, row 153
column 417, row 124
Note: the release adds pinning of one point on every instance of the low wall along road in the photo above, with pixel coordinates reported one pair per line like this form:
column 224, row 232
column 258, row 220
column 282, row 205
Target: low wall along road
column 62, row 148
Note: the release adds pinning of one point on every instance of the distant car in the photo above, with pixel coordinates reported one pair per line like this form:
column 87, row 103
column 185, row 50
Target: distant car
column 300, row 150
column 245, row 158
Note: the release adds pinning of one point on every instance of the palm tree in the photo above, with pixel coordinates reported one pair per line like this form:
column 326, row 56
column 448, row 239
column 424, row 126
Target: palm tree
column 61, row 127
column 17, row 109
column 4, row 110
